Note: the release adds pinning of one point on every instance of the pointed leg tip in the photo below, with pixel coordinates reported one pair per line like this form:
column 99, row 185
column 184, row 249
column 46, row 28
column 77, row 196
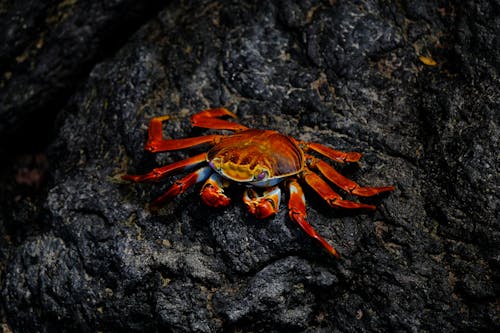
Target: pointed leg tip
column 371, row 191
column 132, row 178
column 366, row 206
column 335, row 202
column 231, row 114
column 161, row 118
column 386, row 189
column 328, row 247
column 334, row 253
column 353, row 157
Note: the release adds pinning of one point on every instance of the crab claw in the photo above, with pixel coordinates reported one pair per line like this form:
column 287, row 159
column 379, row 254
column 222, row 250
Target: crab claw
column 262, row 206
column 212, row 193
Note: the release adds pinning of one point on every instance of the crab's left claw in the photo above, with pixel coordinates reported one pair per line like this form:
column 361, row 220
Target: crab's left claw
column 212, row 192
column 265, row 205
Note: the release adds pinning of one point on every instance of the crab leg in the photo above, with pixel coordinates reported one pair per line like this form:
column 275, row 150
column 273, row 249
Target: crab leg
column 156, row 142
column 336, row 155
column 329, row 195
column 212, row 192
column 162, row 172
column 181, row 185
column 297, row 211
column 209, row 119
column 265, row 205
column 344, row 183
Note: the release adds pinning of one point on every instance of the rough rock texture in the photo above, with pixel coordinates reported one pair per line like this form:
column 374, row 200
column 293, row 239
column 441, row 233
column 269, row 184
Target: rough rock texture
column 47, row 47
column 348, row 74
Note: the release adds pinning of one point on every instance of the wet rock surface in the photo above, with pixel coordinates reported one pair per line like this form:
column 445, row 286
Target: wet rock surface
column 85, row 251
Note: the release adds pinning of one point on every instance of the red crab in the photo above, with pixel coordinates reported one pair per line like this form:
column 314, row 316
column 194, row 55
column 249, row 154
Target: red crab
column 259, row 159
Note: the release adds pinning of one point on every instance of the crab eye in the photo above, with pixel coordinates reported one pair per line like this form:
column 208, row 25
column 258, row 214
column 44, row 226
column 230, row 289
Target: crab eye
column 215, row 164
column 261, row 175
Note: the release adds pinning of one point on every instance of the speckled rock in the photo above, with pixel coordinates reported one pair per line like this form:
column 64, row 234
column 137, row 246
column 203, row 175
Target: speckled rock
column 346, row 74
column 46, row 47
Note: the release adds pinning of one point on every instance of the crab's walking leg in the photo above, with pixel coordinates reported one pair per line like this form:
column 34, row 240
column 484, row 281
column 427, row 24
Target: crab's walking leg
column 162, row 172
column 330, row 196
column 297, row 211
column 212, row 192
column 344, row 183
column 181, row 185
column 209, row 119
column 336, row 155
column 265, row 205
column 156, row 142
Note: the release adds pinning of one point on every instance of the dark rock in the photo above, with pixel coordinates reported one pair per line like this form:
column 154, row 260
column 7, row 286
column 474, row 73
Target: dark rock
column 47, row 49
column 94, row 256
column 285, row 286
